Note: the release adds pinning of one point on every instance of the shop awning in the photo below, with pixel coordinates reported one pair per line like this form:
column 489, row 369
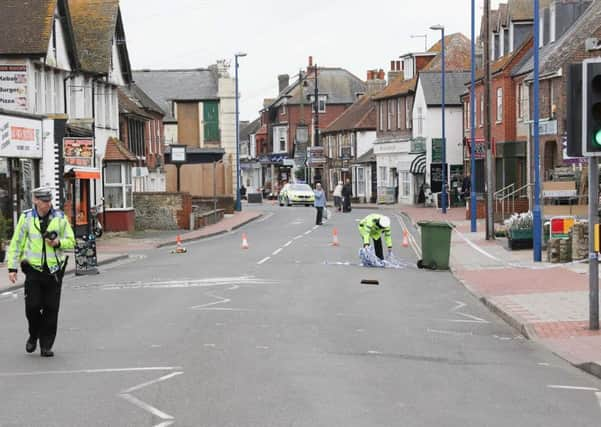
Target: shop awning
column 418, row 165
column 83, row 173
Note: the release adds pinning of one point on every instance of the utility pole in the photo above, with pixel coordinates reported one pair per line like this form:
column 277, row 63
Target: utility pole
column 301, row 84
column 490, row 225
column 316, row 109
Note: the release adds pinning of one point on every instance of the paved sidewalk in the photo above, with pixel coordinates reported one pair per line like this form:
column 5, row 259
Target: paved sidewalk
column 546, row 302
column 115, row 247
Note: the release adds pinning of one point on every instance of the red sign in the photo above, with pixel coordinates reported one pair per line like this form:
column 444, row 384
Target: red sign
column 480, row 148
column 78, row 151
column 22, row 134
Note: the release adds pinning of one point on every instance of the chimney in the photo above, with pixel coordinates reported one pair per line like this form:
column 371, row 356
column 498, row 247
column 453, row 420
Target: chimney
column 395, row 70
column 283, row 82
column 310, row 66
column 375, row 82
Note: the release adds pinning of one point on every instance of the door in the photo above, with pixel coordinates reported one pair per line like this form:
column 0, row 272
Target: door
column 211, row 121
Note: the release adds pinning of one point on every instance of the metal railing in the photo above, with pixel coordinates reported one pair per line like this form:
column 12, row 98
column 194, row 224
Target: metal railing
column 510, row 193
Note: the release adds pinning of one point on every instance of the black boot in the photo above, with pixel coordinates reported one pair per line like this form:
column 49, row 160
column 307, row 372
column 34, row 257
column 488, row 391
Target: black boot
column 31, row 344
column 46, row 352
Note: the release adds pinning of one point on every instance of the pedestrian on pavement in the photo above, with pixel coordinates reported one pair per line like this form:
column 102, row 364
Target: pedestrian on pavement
column 37, row 245
column 347, row 193
column 371, row 228
column 338, row 196
column 319, row 203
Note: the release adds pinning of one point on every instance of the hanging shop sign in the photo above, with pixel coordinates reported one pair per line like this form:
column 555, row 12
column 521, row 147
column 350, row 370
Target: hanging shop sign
column 78, row 151
column 13, row 87
column 20, row 137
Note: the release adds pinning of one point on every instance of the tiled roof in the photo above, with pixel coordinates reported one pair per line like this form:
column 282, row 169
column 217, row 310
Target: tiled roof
column 501, row 63
column 523, row 10
column 94, row 25
column 458, row 50
column 360, row 115
column 26, row 26
column 146, row 101
column 502, row 16
column 164, row 86
column 454, row 86
column 249, row 129
column 397, row 87
column 129, row 104
column 367, row 157
column 554, row 55
column 340, row 86
column 117, row 152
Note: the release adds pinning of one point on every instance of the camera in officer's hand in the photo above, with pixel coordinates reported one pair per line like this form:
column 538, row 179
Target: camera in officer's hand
column 50, row 235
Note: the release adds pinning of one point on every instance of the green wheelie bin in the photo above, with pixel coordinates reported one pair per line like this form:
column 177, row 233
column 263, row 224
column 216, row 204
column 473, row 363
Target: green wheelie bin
column 436, row 244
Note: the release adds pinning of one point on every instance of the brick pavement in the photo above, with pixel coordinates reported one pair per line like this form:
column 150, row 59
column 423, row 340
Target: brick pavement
column 546, row 302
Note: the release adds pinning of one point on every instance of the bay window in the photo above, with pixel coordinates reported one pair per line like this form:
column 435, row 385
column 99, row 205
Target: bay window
column 117, row 186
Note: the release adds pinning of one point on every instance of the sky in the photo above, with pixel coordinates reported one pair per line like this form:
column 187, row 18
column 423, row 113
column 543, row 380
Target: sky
column 278, row 36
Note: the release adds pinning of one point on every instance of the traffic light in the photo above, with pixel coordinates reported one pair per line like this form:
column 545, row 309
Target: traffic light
column 574, row 111
column 591, row 106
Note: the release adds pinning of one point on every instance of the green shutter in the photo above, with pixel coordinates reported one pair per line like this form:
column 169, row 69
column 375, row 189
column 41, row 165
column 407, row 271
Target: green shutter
column 211, row 121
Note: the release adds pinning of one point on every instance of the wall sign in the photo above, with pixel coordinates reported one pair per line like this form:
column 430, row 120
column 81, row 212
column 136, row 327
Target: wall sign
column 78, row 151
column 86, row 261
column 13, row 87
column 20, row 137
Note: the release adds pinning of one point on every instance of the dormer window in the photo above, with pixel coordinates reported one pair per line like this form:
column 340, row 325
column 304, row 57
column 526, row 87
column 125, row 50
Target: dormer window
column 322, row 103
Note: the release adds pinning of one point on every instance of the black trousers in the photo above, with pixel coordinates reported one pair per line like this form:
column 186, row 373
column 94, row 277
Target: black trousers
column 42, row 300
column 346, row 204
column 378, row 248
column 319, row 218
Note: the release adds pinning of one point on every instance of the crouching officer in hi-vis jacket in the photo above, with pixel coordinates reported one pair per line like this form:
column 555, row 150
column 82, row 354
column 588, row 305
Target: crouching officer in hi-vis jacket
column 40, row 237
column 372, row 227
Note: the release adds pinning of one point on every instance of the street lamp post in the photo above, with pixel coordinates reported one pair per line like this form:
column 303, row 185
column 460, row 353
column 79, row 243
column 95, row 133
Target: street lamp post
column 238, row 206
column 472, row 113
column 444, row 142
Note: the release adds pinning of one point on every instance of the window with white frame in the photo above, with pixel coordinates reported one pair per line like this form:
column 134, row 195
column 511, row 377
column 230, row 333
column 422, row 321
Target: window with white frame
column 283, row 109
column 280, row 138
column 390, row 113
column 330, row 145
column 117, row 186
column 322, row 103
column 48, row 90
column 466, row 114
column 107, row 106
column 481, row 110
column 100, row 119
column 383, row 178
column 408, row 114
column 360, row 181
column 37, row 90
column 499, row 105
column 399, row 125
column 58, row 90
column 381, row 105
column 405, row 184
column 87, row 90
column 420, row 121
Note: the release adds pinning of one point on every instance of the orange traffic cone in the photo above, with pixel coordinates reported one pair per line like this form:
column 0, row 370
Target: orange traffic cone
column 179, row 249
column 335, row 238
column 244, row 241
column 405, row 238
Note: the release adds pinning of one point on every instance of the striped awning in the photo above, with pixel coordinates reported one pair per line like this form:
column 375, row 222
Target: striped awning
column 418, row 165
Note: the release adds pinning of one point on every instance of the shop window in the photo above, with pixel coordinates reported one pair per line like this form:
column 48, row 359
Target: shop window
column 405, row 184
column 117, row 186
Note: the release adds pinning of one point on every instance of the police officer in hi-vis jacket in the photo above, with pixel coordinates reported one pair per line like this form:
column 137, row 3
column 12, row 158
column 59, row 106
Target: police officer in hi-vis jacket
column 40, row 237
column 372, row 227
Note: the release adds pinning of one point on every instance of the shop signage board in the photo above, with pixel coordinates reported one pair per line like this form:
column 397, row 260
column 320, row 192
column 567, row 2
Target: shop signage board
column 78, row 151
column 316, row 157
column 20, row 137
column 13, row 87
column 437, row 150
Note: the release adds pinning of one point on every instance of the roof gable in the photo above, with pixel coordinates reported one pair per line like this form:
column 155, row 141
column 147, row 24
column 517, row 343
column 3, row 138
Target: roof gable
column 97, row 24
column 165, row 86
column 26, row 26
column 360, row 115
column 117, row 152
column 454, row 87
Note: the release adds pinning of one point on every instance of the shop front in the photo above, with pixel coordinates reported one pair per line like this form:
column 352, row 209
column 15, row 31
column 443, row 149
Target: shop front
column 21, row 153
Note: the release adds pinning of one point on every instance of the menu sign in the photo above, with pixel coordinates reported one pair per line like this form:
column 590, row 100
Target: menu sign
column 78, row 151
column 13, row 87
column 20, row 137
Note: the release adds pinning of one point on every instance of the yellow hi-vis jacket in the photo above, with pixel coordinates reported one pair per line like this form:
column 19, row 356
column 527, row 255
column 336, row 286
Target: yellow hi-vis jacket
column 369, row 229
column 27, row 243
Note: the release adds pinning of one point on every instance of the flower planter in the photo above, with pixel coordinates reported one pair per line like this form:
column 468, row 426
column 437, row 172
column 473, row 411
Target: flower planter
column 519, row 238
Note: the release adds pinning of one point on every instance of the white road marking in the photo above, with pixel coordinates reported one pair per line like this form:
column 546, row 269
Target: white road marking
column 412, row 241
column 287, row 244
column 156, row 346
column 543, row 364
column 307, row 232
column 221, row 300
column 210, row 345
column 165, row 424
column 89, row 371
column 440, row 331
column 374, row 352
column 598, row 397
column 233, row 288
column 192, row 283
column 266, row 217
column 146, row 407
column 569, row 387
column 267, row 258
column 298, row 237
column 158, row 380
column 219, row 309
column 262, row 347
column 472, row 318
column 277, row 251
column 315, row 227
